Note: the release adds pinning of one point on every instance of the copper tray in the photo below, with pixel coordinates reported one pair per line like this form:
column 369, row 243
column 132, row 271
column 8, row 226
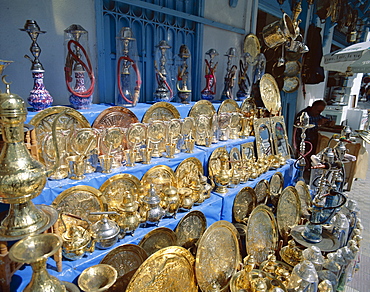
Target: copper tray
column 157, row 239
column 191, row 228
column 115, row 116
column 244, row 203
column 163, row 111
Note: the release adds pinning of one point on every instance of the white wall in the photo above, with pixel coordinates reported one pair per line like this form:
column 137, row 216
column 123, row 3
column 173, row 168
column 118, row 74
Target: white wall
column 53, row 16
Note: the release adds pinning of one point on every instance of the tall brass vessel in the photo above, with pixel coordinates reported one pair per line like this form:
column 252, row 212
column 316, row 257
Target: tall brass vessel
column 22, row 178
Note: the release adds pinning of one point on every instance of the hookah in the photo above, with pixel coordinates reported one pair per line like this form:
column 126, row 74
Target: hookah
column 78, row 61
column 244, row 88
column 230, row 75
column 182, row 83
column 209, row 91
column 128, row 92
column 39, row 97
column 164, row 91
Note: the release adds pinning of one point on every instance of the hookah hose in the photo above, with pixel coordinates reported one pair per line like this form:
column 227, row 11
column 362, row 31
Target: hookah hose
column 138, row 81
column 208, row 77
column 302, row 155
column 68, row 69
column 157, row 75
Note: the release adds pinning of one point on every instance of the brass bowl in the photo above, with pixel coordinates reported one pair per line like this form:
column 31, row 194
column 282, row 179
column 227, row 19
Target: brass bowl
column 97, row 278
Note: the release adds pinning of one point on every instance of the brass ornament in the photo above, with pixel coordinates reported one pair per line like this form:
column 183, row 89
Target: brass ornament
column 270, row 93
column 291, row 84
column 157, row 239
column 163, row 111
column 262, row 190
column 228, row 106
column 244, row 203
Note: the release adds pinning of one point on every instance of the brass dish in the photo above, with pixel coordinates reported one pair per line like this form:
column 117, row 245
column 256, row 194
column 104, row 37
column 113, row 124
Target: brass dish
column 262, row 190
column 156, row 131
column 169, row 269
column 157, row 239
column 252, row 46
column 288, row 211
column 276, row 187
column 280, row 136
column 97, row 278
column 80, row 201
column 218, row 256
column 188, row 173
column 214, row 162
column 244, row 203
column 161, row 176
column 190, row 229
column 291, row 84
column 270, row 93
column 262, row 235
column 126, row 259
column 229, row 106
column 202, row 107
column 163, row 111
column 112, row 140
column 115, row 116
column 114, row 189
column 305, row 197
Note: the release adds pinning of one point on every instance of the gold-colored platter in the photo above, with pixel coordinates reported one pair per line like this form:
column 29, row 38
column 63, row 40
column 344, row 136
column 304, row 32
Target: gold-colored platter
column 115, row 116
column 69, row 120
column 114, row 188
column 161, row 176
column 157, row 239
column 218, row 256
column 202, row 107
column 112, row 139
column 136, row 134
column 262, row 235
column 156, row 131
column 191, row 228
column 214, row 162
column 188, row 127
column 248, row 107
column 262, row 190
column 83, row 140
column 291, row 84
column 304, row 196
column 229, row 106
column 270, row 93
column 288, row 211
column 188, row 172
column 252, row 45
column 163, row 111
column 169, row 269
column 276, row 185
column 244, row 203
column 126, row 259
column 80, row 201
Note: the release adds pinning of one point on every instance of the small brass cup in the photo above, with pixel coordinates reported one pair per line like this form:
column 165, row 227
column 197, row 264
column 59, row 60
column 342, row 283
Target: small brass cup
column 106, row 162
column 77, row 167
column 130, row 157
column 170, row 150
column 146, row 154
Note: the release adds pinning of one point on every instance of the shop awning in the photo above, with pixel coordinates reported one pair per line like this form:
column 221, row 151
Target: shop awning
column 355, row 59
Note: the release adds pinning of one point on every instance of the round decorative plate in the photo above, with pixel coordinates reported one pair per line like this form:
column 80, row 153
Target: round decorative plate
column 305, row 197
column 202, row 107
column 115, row 116
column 191, row 228
column 262, row 190
column 83, row 140
column 188, row 127
column 218, row 256
column 288, row 211
column 270, row 93
column 161, row 176
column 156, row 131
column 292, row 68
column 276, row 186
column 70, row 119
column 214, row 162
column 80, row 201
column 229, row 106
column 157, row 239
column 126, row 259
column 163, row 111
column 252, row 46
column 174, row 128
column 244, row 203
column 291, row 84
column 188, row 172
column 248, row 107
column 114, row 188
column 262, row 234
column 111, row 140
column 169, row 269
column 136, row 134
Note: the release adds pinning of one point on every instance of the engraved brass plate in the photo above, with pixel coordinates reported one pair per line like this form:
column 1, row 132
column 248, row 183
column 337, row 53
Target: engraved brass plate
column 214, row 162
column 191, row 228
column 262, row 233
column 157, row 239
column 126, row 259
column 292, row 68
column 136, row 134
column 161, row 176
column 168, row 270
column 80, row 201
column 188, row 127
column 188, row 173
column 291, row 84
column 270, row 93
column 262, row 190
column 163, row 111
column 248, row 107
column 202, row 107
column 229, row 106
column 156, row 131
column 244, row 203
column 288, row 211
column 304, row 196
column 252, row 45
column 276, row 185
column 112, row 140
column 218, row 256
column 84, row 140
column 115, row 116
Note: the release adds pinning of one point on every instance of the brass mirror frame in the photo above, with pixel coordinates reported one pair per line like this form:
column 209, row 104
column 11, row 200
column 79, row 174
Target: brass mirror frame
column 259, row 145
column 244, row 147
column 274, row 121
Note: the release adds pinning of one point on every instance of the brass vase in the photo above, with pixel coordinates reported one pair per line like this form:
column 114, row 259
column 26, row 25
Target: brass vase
column 97, row 278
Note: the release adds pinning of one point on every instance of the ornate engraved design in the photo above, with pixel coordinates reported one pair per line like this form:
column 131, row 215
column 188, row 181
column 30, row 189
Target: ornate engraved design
column 188, row 173
column 262, row 190
column 251, row 45
column 157, row 239
column 276, row 185
column 83, row 141
column 214, row 162
column 161, row 176
column 202, row 107
column 188, row 127
column 163, row 111
column 228, row 106
column 156, row 131
column 270, row 93
column 115, row 116
column 191, row 228
column 244, row 203
column 136, row 134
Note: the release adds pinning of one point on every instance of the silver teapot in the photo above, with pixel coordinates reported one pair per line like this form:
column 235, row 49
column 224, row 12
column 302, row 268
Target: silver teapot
column 153, row 212
column 105, row 232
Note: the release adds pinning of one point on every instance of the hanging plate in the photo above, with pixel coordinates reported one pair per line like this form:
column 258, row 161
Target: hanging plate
column 229, row 106
column 244, row 203
column 292, row 68
column 190, row 229
column 252, row 46
column 202, row 107
column 291, row 84
column 157, row 239
column 163, row 111
column 270, row 93
column 305, row 197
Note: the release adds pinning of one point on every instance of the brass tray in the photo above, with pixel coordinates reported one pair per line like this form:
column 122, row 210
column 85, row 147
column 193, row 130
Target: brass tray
column 188, row 171
column 188, row 127
column 305, row 197
column 136, row 133
column 262, row 190
column 156, row 131
column 162, row 176
column 218, row 256
column 214, row 162
column 157, row 239
column 288, row 211
column 126, row 259
column 80, row 201
column 202, row 107
column 244, row 203
column 229, row 106
column 114, row 188
column 43, row 121
column 252, row 46
column 112, row 139
column 292, row 68
column 291, row 84
column 191, row 228
column 115, row 116
column 276, row 185
column 169, row 269
column 174, row 128
column 83, row 140
column 270, row 93
column 163, row 111
column 248, row 107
